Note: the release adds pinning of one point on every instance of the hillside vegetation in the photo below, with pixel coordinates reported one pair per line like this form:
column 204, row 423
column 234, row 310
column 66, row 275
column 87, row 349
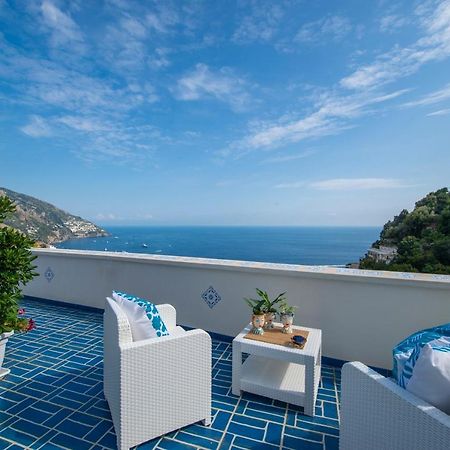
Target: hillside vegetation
column 46, row 223
column 422, row 237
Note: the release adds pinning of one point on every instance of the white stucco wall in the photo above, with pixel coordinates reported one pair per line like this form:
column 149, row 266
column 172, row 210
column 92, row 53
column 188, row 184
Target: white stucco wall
column 363, row 314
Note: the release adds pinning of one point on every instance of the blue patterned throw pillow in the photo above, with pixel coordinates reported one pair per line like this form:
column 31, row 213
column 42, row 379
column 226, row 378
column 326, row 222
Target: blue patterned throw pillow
column 407, row 352
column 143, row 316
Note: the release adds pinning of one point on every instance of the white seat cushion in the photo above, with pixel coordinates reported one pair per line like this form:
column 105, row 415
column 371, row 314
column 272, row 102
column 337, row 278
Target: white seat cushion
column 430, row 379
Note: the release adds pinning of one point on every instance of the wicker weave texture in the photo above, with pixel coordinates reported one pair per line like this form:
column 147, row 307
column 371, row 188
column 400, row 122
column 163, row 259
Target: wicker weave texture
column 157, row 385
column 376, row 414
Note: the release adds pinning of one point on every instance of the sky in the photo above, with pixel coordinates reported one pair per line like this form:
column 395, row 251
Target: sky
column 226, row 112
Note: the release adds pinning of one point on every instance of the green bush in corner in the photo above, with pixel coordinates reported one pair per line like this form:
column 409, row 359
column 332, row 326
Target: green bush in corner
column 16, row 269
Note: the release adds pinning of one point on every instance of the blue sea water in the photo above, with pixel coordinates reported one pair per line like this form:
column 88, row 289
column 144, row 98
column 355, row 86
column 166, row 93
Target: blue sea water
column 291, row 245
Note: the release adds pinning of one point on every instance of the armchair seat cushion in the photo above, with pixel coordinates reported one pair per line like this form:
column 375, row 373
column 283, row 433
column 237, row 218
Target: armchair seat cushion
column 143, row 316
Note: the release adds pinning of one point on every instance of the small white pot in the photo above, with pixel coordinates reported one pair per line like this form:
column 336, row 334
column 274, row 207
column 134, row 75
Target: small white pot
column 287, row 321
column 268, row 321
column 3, row 340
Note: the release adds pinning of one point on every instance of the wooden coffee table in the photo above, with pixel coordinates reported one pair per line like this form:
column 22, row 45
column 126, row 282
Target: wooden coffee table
column 280, row 372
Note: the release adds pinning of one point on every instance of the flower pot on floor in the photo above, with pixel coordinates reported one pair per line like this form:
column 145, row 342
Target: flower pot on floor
column 3, row 340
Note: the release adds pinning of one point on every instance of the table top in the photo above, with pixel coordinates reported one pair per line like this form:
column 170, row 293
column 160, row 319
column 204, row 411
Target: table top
column 312, row 346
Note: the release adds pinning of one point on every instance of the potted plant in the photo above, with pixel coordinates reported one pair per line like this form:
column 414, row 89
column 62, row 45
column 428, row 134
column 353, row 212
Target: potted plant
column 258, row 314
column 269, row 307
column 286, row 312
column 16, row 269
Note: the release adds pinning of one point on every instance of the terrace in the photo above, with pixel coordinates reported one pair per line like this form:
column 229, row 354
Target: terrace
column 53, row 397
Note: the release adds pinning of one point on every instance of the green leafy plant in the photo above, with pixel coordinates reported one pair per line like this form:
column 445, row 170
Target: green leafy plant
column 264, row 304
column 285, row 308
column 16, row 269
column 270, row 305
column 257, row 306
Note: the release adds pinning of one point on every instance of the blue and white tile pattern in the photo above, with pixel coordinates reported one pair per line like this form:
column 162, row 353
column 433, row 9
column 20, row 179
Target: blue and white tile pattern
column 211, row 297
column 53, row 397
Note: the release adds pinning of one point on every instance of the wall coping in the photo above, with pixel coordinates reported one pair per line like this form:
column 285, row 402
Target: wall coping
column 324, row 272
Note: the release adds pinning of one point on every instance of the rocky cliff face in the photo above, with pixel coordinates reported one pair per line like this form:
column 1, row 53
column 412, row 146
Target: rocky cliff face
column 46, row 223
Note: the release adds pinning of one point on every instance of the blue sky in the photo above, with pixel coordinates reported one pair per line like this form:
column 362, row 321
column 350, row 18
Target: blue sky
column 234, row 113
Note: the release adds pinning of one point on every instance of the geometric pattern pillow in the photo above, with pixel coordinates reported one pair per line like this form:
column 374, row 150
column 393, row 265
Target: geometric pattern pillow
column 409, row 349
column 143, row 316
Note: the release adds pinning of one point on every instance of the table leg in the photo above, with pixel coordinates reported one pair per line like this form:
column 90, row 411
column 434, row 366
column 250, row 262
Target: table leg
column 237, row 365
column 309, row 386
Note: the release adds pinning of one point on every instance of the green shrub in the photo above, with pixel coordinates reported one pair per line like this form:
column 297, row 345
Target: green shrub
column 16, row 269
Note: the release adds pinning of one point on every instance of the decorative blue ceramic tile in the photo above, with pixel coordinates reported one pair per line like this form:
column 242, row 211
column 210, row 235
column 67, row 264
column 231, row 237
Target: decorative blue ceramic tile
column 211, row 297
column 49, row 275
column 53, row 398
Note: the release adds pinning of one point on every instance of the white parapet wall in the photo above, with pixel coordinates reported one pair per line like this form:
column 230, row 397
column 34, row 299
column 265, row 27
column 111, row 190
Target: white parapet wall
column 363, row 314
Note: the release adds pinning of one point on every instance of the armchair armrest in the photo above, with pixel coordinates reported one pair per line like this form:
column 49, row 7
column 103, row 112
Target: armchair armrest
column 168, row 314
column 378, row 414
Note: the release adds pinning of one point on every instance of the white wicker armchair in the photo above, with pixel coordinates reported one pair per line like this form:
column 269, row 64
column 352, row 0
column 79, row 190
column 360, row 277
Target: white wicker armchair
column 156, row 385
column 377, row 414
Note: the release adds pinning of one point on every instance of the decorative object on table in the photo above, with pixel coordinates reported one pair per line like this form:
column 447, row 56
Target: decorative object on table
column 268, row 306
column 258, row 314
column 274, row 336
column 286, row 312
column 16, row 269
column 298, row 341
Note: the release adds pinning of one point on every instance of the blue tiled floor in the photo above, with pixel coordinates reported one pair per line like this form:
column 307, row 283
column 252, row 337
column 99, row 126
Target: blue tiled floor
column 53, row 397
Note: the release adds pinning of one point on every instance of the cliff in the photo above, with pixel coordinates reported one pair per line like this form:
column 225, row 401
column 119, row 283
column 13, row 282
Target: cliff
column 416, row 241
column 46, row 223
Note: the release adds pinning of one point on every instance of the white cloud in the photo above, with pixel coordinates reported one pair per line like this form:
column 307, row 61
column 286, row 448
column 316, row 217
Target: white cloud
column 287, row 158
column 64, row 29
column 261, row 23
column 164, row 18
column 332, row 116
column 431, row 98
column 334, row 27
column 134, row 27
column 202, row 82
column 392, row 22
column 338, row 184
column 441, row 112
column 336, row 111
column 293, row 185
column 83, row 123
column 38, row 127
column 402, row 61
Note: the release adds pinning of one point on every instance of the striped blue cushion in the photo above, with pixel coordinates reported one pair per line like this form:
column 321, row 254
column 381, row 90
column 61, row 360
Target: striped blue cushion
column 406, row 353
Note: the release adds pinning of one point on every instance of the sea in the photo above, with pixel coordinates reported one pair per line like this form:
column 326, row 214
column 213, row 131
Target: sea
column 334, row 246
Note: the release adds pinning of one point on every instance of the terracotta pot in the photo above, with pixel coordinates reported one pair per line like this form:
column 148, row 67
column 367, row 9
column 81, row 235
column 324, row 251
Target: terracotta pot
column 3, row 340
column 258, row 323
column 287, row 321
column 269, row 318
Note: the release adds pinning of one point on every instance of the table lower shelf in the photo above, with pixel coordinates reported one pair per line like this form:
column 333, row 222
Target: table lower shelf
column 273, row 378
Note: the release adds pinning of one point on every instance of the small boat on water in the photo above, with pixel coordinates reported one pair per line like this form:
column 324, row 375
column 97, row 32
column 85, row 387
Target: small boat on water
column 144, row 245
